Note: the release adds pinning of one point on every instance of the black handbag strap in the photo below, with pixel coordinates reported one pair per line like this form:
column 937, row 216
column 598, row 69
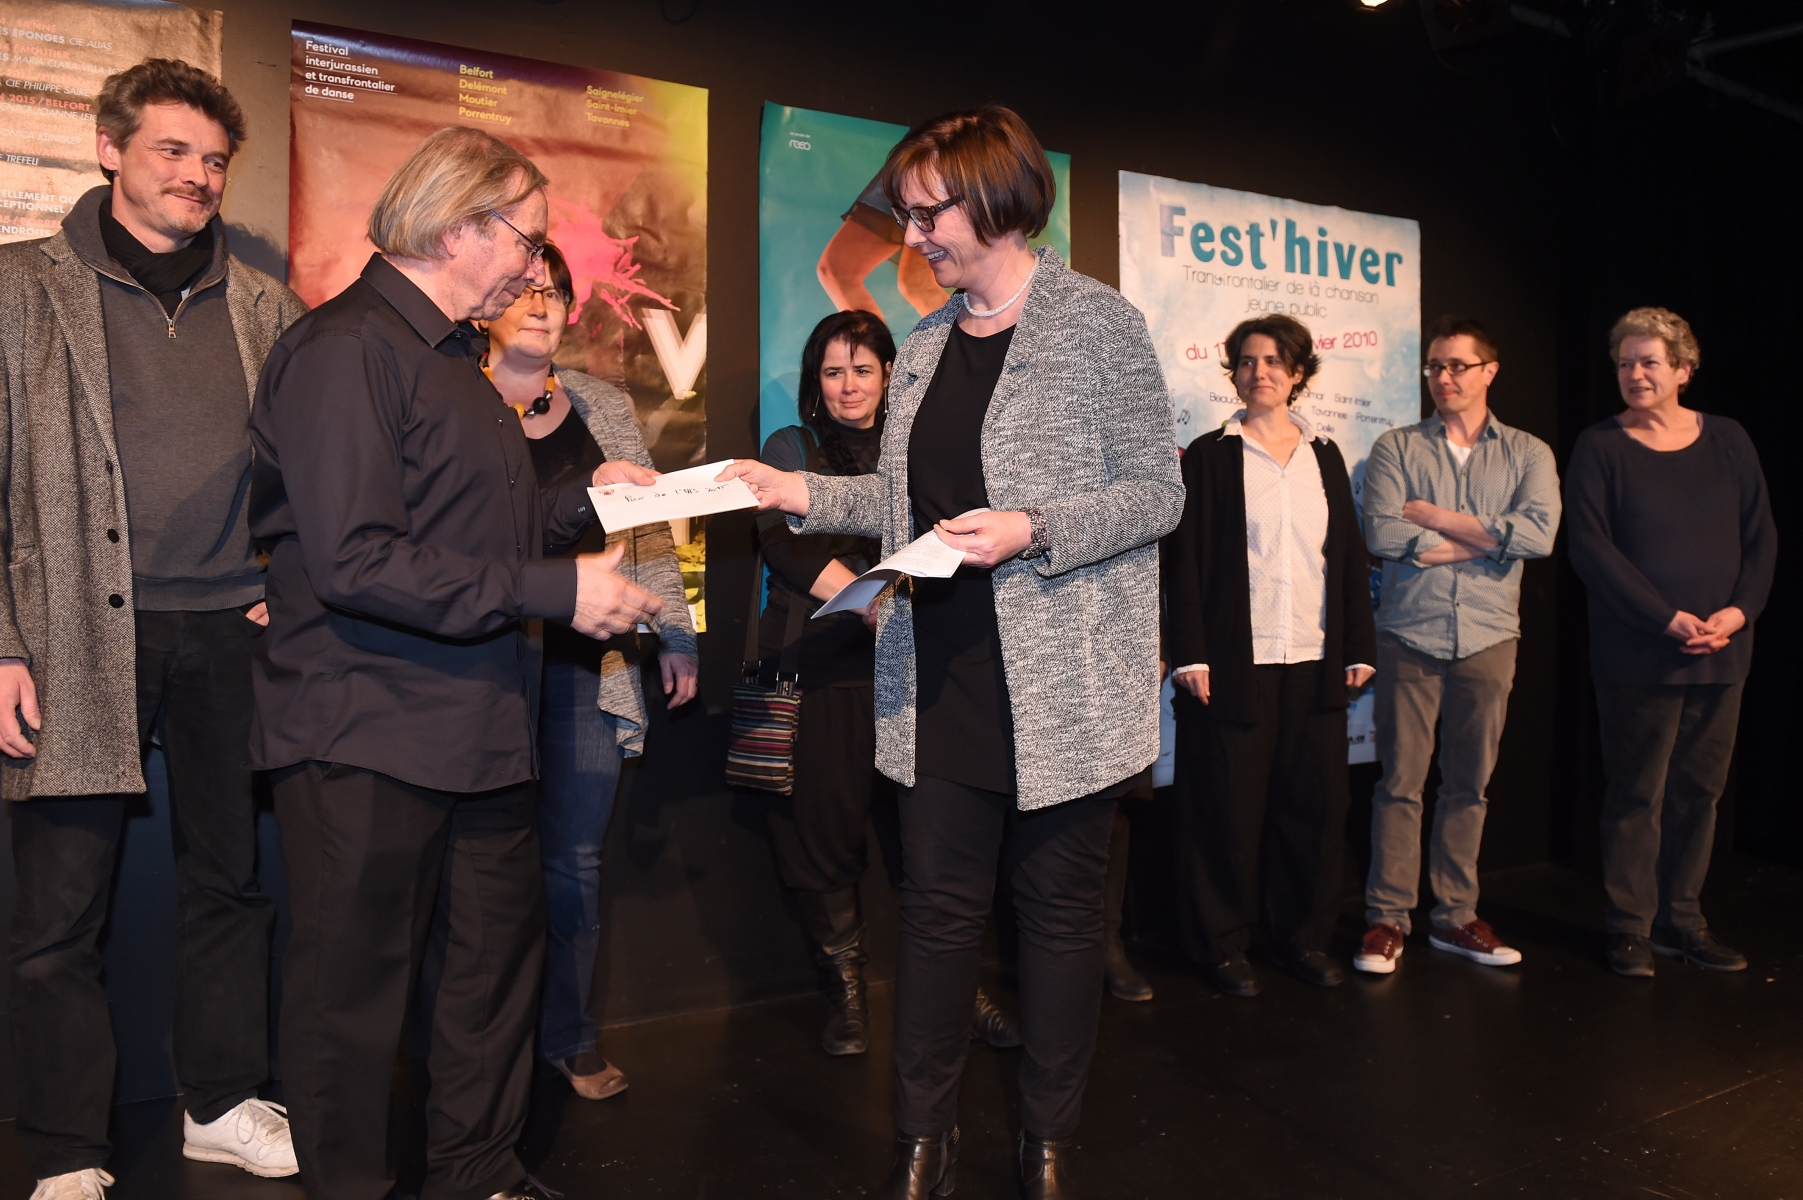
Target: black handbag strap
column 791, row 653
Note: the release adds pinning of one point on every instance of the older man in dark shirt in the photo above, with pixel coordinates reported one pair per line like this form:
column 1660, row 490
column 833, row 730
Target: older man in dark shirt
column 406, row 530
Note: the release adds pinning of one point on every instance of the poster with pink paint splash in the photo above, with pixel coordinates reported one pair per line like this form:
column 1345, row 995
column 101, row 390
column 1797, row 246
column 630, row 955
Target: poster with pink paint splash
column 627, row 159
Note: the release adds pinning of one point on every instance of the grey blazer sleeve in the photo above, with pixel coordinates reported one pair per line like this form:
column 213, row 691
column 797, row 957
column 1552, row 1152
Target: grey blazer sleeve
column 854, row 504
column 652, row 551
column 659, row 573
column 1132, row 415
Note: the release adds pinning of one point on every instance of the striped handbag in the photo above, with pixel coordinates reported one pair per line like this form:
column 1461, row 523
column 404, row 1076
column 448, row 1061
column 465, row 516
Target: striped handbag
column 760, row 749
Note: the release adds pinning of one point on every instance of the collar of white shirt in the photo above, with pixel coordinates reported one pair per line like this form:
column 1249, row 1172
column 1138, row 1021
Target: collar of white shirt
column 1231, row 426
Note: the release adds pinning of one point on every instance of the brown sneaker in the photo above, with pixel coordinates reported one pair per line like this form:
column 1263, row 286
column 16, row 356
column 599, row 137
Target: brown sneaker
column 1380, row 949
column 1476, row 941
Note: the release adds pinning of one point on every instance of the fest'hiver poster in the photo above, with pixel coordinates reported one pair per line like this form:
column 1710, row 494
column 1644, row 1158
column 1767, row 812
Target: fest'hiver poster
column 56, row 54
column 827, row 242
column 1198, row 260
column 627, row 160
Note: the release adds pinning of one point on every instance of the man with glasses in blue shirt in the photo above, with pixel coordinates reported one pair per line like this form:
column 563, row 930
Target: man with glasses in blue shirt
column 1452, row 506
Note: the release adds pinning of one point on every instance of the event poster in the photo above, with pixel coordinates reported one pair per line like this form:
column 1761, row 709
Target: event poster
column 56, row 54
column 827, row 242
column 1198, row 260
column 627, row 159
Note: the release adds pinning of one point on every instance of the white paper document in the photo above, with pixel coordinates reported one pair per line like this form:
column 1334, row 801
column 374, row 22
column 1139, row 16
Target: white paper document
column 689, row 493
column 925, row 556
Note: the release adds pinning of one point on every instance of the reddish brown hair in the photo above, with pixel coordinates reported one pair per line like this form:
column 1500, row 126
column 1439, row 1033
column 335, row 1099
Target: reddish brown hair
column 989, row 158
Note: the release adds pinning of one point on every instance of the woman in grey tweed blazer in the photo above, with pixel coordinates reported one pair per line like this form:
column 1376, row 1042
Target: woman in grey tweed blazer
column 1022, row 695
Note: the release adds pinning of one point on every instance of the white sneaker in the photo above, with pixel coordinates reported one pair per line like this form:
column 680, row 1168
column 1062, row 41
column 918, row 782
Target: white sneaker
column 90, row 1184
column 253, row 1135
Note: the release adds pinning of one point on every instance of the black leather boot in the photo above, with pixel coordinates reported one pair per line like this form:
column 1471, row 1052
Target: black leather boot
column 993, row 1025
column 1124, row 982
column 924, row 1166
column 837, row 928
column 1045, row 1169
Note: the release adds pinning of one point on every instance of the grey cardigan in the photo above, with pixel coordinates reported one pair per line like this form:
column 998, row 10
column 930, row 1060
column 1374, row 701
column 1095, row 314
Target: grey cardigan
column 650, row 560
column 1079, row 427
column 67, row 605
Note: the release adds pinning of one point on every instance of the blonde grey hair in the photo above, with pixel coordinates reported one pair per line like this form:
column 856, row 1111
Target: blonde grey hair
column 1662, row 323
column 455, row 176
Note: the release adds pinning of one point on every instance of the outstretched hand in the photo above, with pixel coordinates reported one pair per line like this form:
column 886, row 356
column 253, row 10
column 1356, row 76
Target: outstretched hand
column 621, row 471
column 606, row 602
column 785, row 490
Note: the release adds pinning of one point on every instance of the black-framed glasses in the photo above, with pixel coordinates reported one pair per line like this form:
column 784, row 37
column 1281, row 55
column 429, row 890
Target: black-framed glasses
column 924, row 216
column 535, row 251
column 550, row 294
column 1454, row 368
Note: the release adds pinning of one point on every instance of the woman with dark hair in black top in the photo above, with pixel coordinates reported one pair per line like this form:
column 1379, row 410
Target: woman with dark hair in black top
column 818, row 832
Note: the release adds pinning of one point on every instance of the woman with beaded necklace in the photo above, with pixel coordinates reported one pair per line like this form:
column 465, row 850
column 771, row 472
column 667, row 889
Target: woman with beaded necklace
column 592, row 709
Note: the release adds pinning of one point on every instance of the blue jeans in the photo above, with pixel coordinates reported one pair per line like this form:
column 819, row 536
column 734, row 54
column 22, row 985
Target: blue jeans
column 579, row 771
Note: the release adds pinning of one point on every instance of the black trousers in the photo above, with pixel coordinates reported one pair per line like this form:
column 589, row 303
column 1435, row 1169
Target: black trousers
column 952, row 835
column 366, row 856
column 1262, row 817
column 194, row 693
column 819, row 833
column 1666, row 751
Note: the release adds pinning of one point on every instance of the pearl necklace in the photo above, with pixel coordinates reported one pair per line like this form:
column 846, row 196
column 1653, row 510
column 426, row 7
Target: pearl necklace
column 1005, row 305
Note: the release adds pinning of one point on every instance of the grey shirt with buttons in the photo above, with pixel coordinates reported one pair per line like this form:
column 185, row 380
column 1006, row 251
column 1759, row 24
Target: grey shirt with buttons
column 1510, row 484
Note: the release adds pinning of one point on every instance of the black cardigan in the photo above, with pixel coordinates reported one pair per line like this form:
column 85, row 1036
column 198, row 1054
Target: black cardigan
column 1208, row 588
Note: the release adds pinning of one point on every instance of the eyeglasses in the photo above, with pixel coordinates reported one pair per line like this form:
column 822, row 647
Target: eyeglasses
column 535, row 251
column 551, row 294
column 1455, row 368
column 924, row 216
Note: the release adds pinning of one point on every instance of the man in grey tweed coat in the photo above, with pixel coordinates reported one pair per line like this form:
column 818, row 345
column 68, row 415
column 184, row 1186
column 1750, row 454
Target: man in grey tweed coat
column 132, row 342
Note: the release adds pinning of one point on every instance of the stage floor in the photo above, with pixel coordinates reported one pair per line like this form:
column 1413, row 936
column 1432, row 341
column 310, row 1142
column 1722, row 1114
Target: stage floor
column 1553, row 1079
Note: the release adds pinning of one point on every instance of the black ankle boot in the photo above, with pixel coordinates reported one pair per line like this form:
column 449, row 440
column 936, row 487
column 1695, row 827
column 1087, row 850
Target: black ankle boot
column 993, row 1025
column 924, row 1166
column 1045, row 1169
column 837, row 929
column 1123, row 981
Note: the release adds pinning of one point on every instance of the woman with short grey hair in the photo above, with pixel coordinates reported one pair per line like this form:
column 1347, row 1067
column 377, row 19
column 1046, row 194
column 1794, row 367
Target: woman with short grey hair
column 1028, row 427
column 1671, row 531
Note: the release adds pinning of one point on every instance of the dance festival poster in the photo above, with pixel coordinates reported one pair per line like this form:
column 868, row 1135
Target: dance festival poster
column 56, row 54
column 827, row 241
column 1198, row 260
column 627, row 159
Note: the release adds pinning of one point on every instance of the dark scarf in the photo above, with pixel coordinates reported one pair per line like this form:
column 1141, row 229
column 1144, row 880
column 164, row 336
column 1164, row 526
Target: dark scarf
column 165, row 276
column 848, row 451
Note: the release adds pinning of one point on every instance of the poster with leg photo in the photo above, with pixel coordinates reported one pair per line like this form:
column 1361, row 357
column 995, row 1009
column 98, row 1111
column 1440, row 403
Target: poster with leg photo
column 827, row 241
column 627, row 160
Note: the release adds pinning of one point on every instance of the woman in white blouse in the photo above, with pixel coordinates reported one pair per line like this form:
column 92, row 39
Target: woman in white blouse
column 1269, row 625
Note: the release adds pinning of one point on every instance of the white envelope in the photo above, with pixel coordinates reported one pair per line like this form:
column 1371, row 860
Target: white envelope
column 690, row 493
column 926, row 556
